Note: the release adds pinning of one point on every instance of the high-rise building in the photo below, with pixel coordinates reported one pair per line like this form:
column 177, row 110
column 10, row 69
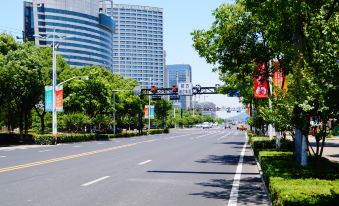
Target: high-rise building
column 180, row 73
column 86, row 28
column 138, row 51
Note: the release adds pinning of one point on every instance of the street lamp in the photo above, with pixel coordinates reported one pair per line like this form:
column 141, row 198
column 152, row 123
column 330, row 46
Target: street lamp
column 54, row 77
column 80, row 77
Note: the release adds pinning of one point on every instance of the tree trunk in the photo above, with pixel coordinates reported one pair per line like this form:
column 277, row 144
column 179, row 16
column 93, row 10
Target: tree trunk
column 42, row 118
column 21, row 125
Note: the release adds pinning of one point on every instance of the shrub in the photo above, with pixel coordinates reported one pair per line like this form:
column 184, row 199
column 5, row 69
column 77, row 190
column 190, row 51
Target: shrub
column 291, row 192
column 64, row 138
column 166, row 130
column 14, row 139
column 44, row 139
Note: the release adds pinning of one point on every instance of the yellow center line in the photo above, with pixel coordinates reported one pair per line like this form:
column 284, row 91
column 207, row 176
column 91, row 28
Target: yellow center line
column 43, row 162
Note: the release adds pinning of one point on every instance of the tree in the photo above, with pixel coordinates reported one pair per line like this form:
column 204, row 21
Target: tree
column 21, row 83
column 162, row 108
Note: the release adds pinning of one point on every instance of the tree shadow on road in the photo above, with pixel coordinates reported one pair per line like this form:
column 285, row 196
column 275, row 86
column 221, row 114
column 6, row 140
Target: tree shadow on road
column 250, row 190
column 226, row 159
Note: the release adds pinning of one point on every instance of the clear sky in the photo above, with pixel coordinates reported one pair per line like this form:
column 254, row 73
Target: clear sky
column 181, row 17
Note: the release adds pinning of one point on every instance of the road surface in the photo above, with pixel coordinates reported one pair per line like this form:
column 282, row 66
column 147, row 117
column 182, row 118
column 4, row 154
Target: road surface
column 196, row 167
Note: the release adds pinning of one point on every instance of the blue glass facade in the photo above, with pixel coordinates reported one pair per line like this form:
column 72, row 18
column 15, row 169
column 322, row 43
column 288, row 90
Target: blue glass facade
column 138, row 44
column 180, row 73
column 89, row 32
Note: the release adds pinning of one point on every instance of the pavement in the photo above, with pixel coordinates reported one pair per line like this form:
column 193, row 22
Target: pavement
column 331, row 148
column 214, row 167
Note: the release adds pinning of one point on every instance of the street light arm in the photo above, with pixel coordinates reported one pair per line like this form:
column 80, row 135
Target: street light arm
column 85, row 77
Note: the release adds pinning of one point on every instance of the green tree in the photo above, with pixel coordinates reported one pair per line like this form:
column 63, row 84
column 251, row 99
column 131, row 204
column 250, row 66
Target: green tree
column 21, row 83
column 162, row 108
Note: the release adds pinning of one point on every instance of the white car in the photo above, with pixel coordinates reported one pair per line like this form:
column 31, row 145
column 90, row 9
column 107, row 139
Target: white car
column 206, row 125
column 198, row 125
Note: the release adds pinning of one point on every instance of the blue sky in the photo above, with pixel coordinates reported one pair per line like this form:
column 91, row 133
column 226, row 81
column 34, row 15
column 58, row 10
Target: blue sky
column 180, row 18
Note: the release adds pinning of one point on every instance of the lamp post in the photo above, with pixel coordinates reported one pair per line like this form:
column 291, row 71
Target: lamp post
column 54, row 77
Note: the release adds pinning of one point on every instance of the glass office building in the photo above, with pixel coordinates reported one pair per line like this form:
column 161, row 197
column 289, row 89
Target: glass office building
column 138, row 44
column 179, row 73
column 88, row 31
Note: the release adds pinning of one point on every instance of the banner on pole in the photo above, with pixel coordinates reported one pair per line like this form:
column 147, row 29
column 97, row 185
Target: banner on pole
column 59, row 93
column 279, row 78
column 149, row 111
column 146, row 111
column 48, row 98
column 260, row 81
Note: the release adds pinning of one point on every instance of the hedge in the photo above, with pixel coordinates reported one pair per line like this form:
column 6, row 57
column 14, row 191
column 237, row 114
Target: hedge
column 292, row 192
column 14, row 139
column 47, row 139
column 291, row 184
column 260, row 143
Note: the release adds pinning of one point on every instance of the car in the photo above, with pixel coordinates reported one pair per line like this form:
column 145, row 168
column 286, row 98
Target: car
column 215, row 124
column 206, row 125
column 198, row 125
column 227, row 126
column 241, row 127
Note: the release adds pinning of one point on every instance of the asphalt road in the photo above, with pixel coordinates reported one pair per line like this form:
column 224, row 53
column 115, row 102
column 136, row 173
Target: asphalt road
column 190, row 167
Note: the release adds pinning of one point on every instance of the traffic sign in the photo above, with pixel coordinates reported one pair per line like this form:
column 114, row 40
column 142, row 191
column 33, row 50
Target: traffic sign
column 185, row 89
column 176, row 105
column 174, row 97
column 156, row 97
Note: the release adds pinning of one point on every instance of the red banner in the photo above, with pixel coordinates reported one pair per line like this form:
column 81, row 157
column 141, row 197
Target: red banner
column 59, row 93
column 260, row 81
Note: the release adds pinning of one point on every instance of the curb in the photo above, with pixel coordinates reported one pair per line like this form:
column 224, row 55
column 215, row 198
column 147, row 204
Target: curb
column 260, row 172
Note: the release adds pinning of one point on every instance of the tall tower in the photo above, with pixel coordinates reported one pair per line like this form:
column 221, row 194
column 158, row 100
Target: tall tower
column 138, row 51
column 88, row 31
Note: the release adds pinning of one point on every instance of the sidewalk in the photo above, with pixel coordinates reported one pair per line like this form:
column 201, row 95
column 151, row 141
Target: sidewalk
column 331, row 148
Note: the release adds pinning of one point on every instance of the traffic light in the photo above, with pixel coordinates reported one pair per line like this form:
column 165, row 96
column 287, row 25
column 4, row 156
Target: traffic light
column 174, row 89
column 154, row 89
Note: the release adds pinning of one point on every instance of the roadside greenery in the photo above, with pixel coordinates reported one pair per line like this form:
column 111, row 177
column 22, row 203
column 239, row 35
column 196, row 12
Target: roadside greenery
column 288, row 182
column 302, row 37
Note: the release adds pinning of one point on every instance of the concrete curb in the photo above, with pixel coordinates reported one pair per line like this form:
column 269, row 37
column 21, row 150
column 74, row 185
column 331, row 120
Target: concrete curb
column 260, row 172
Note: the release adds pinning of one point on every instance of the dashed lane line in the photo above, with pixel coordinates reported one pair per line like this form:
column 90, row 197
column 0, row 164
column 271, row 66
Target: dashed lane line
column 95, row 181
column 145, row 162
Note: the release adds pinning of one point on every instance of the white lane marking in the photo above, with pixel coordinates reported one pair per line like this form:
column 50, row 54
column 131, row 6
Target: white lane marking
column 46, row 150
column 145, row 162
column 95, row 181
column 198, row 137
column 236, row 181
column 77, row 146
column 2, row 156
column 100, row 143
column 220, row 138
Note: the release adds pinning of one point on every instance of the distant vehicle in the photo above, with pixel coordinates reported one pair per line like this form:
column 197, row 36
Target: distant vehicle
column 215, row 124
column 206, row 125
column 241, row 127
column 198, row 125
column 227, row 125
